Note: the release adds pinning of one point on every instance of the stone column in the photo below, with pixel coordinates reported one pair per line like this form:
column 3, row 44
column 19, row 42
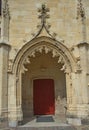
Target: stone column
column 14, row 99
column 68, row 89
column 79, row 109
column 19, row 98
column 5, row 21
column 12, row 106
column 4, row 50
column 83, row 49
column 73, row 111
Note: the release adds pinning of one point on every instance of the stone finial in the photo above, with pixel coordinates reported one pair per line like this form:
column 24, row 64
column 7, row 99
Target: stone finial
column 81, row 15
column 43, row 13
column 43, row 25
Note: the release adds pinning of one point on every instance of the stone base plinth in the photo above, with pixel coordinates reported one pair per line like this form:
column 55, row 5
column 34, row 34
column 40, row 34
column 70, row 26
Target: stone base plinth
column 74, row 121
column 13, row 123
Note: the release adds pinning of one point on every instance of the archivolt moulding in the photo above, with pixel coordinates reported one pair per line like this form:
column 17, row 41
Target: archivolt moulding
column 48, row 44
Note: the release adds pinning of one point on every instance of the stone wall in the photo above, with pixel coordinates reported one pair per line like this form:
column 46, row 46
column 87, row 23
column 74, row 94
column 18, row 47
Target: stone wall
column 63, row 14
column 69, row 20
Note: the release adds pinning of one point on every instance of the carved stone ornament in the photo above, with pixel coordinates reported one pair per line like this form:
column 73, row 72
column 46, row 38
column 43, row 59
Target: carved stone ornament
column 79, row 64
column 43, row 24
column 23, row 69
column 80, row 10
column 46, row 49
column 45, row 44
column 5, row 8
column 81, row 15
column 10, row 66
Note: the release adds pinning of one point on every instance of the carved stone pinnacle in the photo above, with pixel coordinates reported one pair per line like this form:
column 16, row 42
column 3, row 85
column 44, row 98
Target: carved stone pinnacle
column 80, row 10
column 43, row 16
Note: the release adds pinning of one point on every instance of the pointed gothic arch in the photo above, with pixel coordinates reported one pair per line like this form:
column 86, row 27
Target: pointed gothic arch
column 48, row 44
column 57, row 49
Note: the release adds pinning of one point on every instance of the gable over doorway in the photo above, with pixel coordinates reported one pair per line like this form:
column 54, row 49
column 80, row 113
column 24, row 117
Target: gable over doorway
column 43, row 97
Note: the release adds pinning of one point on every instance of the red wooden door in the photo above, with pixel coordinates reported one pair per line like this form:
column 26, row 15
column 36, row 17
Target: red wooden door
column 43, row 97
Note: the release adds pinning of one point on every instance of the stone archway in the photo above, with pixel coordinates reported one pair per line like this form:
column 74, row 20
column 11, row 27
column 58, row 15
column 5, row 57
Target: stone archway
column 28, row 51
column 43, row 66
column 57, row 48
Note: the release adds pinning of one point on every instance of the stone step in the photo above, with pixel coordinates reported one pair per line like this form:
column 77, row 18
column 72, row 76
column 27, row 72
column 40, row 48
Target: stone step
column 85, row 127
column 48, row 128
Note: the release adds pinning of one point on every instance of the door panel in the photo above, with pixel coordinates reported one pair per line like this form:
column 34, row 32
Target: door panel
column 43, row 97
